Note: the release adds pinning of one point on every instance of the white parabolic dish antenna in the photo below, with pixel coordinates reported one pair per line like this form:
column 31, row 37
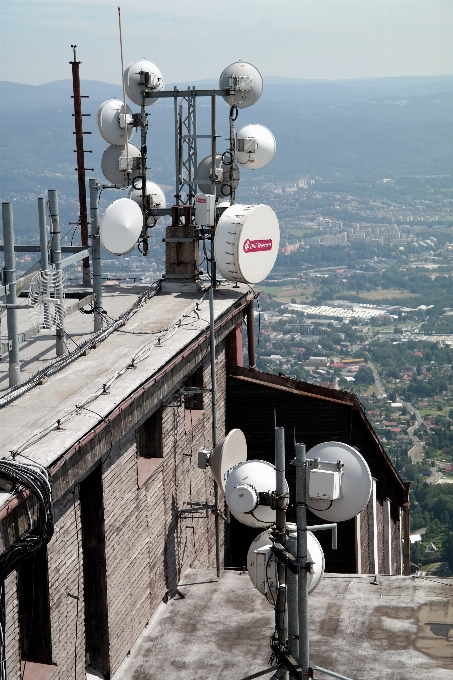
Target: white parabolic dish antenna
column 229, row 452
column 203, row 176
column 151, row 79
column 265, row 579
column 255, row 146
column 246, row 80
column 246, row 242
column 243, row 485
column 355, row 487
column 157, row 197
column 111, row 124
column 110, row 163
column 121, row 226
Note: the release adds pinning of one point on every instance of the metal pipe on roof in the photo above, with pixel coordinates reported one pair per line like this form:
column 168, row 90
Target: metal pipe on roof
column 281, row 621
column 44, row 251
column 214, row 422
column 302, row 555
column 55, row 250
column 11, row 300
column 251, row 335
column 96, row 253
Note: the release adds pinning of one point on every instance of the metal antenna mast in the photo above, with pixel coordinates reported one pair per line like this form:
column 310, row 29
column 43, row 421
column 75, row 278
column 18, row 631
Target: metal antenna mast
column 80, row 151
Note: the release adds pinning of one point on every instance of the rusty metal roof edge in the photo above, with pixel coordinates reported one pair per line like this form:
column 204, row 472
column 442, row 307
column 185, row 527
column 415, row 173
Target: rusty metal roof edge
column 325, row 393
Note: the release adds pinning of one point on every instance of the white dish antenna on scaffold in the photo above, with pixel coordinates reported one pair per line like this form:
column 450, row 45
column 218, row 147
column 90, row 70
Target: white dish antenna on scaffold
column 245, row 482
column 228, row 453
column 121, row 226
column 154, row 191
column 140, row 76
column 246, row 243
column 343, row 470
column 245, row 80
column 111, row 122
column 114, row 163
column 255, row 147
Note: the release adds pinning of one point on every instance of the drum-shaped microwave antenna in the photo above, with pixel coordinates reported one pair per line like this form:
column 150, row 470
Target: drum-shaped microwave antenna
column 245, row 80
column 112, row 122
column 121, row 226
column 243, row 486
column 141, row 76
column 228, row 453
column 222, row 176
column 156, row 197
column 262, row 565
column 355, row 481
column 246, row 242
column 114, row 163
column 255, row 146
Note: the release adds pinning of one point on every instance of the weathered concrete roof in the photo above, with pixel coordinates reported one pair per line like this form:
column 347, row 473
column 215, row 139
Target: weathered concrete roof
column 38, row 409
column 399, row 629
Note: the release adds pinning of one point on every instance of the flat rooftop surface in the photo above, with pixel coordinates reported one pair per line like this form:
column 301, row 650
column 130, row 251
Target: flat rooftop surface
column 159, row 330
column 397, row 629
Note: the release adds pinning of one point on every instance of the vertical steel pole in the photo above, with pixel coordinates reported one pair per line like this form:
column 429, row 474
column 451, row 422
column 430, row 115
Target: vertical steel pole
column 213, row 184
column 10, row 282
column 144, row 160
column 280, row 534
column 232, row 152
column 177, row 185
column 214, row 423
column 302, row 553
column 61, row 348
column 96, row 253
column 293, row 611
column 44, row 253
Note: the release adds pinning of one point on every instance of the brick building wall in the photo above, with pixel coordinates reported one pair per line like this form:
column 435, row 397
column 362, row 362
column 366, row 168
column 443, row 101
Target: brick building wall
column 147, row 544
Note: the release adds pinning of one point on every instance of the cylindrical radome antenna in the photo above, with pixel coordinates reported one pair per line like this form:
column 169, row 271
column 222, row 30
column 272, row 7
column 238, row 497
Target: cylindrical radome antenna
column 126, row 143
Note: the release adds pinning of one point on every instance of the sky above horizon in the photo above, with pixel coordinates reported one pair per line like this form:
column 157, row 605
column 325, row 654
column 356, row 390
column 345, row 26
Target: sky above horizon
column 192, row 40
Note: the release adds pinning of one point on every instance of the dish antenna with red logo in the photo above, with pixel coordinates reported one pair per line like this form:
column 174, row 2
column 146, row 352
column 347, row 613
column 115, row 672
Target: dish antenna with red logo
column 246, row 243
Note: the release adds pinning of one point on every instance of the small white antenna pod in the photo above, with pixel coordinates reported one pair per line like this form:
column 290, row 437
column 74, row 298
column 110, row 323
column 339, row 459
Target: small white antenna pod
column 245, row 80
column 114, row 163
column 262, row 565
column 203, row 176
column 248, row 488
column 246, row 242
column 255, row 147
column 121, row 226
column 338, row 481
column 156, row 197
column 111, row 122
column 141, row 76
column 228, row 453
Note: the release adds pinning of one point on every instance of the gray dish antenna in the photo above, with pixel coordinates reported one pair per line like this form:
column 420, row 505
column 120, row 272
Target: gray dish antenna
column 141, row 76
column 255, row 147
column 111, row 122
column 228, row 453
column 341, row 475
column 262, row 565
column 114, row 164
column 121, row 226
column 222, row 176
column 156, row 197
column 245, row 80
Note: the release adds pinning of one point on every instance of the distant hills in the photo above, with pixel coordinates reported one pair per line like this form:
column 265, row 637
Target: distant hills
column 353, row 129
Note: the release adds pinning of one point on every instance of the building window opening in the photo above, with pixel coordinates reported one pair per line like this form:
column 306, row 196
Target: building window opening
column 148, row 438
column 34, row 611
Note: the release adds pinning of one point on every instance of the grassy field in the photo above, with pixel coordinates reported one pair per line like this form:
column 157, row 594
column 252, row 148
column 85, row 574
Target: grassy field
column 388, row 294
column 286, row 292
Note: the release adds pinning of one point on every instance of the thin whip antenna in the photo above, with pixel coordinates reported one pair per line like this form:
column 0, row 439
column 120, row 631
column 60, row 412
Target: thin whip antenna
column 126, row 145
